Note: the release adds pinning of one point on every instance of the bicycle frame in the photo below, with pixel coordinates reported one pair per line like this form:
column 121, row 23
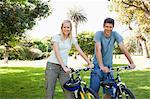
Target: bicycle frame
column 118, row 83
column 118, row 80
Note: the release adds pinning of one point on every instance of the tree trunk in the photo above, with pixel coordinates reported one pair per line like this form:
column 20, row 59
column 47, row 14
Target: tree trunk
column 76, row 29
column 6, row 54
column 145, row 49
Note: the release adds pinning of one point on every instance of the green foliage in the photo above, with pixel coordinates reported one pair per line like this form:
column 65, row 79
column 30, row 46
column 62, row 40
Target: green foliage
column 131, row 44
column 48, row 43
column 40, row 45
column 85, row 40
column 44, row 46
column 29, row 50
column 17, row 16
column 20, row 15
column 72, row 51
column 23, row 53
column 117, row 50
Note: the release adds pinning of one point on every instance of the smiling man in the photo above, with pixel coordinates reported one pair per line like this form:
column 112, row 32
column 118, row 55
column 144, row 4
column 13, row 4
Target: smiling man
column 103, row 56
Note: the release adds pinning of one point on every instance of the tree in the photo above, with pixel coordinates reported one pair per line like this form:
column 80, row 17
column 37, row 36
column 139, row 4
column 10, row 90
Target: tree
column 77, row 16
column 135, row 14
column 17, row 16
column 131, row 44
column 142, row 41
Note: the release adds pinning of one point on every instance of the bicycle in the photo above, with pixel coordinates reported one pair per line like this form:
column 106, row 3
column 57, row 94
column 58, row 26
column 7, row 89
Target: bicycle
column 120, row 90
column 78, row 86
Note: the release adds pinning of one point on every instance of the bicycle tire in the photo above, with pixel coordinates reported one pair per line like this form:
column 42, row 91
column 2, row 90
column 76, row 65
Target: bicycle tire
column 89, row 94
column 126, row 94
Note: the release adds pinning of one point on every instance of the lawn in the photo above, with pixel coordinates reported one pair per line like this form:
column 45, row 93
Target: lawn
column 28, row 83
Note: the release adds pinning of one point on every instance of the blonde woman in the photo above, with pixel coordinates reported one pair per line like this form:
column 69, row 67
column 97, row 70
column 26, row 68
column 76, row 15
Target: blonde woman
column 57, row 62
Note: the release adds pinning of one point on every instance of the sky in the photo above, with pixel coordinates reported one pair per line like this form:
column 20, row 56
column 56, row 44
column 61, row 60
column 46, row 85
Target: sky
column 95, row 10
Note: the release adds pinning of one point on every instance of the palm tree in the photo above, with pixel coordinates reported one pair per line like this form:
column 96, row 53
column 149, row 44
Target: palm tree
column 77, row 16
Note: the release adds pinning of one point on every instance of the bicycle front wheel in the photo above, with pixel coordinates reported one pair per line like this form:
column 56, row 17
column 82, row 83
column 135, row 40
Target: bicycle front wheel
column 89, row 94
column 126, row 94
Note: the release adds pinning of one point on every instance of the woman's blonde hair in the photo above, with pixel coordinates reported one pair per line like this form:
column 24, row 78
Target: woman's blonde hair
column 70, row 34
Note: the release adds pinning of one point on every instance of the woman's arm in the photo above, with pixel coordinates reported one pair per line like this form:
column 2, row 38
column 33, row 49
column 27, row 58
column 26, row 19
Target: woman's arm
column 82, row 54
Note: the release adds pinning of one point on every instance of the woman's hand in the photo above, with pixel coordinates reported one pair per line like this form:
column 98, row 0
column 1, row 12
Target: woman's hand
column 90, row 65
column 66, row 69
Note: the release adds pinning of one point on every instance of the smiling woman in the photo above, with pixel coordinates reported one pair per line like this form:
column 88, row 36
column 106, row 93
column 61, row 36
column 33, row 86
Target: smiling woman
column 56, row 67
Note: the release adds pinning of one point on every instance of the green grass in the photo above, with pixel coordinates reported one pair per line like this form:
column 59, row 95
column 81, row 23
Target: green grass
column 28, row 83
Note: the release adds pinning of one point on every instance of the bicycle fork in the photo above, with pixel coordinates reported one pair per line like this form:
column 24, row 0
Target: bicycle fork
column 80, row 91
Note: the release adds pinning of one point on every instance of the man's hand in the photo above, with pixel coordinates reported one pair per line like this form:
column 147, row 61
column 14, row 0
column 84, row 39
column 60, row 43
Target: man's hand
column 132, row 66
column 104, row 69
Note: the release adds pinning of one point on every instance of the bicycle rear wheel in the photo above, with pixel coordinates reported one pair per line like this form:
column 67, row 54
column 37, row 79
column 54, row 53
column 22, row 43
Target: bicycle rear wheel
column 89, row 94
column 126, row 94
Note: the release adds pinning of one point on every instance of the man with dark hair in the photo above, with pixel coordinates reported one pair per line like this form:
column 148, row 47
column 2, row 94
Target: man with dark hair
column 103, row 56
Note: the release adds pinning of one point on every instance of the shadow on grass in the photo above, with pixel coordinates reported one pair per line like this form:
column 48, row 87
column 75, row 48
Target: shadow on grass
column 29, row 83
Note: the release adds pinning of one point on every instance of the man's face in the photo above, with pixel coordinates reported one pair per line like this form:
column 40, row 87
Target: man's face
column 108, row 27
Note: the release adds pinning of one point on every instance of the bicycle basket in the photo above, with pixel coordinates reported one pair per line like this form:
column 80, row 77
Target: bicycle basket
column 72, row 85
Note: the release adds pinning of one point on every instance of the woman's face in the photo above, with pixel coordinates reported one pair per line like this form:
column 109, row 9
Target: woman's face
column 66, row 29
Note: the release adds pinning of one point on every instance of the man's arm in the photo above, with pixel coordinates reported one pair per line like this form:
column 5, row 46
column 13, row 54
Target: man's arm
column 125, row 51
column 99, row 57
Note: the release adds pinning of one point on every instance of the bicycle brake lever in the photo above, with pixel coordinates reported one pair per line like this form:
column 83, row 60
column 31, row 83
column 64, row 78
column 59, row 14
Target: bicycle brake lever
column 72, row 70
column 85, row 69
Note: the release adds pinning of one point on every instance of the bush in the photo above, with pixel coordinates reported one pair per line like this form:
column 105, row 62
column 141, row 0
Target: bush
column 35, row 53
column 23, row 53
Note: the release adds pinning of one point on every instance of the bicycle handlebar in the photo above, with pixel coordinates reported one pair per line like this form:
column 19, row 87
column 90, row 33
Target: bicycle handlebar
column 120, row 68
column 80, row 69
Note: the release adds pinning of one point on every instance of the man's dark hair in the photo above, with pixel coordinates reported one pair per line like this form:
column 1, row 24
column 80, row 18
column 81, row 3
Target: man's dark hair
column 109, row 20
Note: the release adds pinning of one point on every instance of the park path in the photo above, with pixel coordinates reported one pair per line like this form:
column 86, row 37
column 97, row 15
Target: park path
column 140, row 61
